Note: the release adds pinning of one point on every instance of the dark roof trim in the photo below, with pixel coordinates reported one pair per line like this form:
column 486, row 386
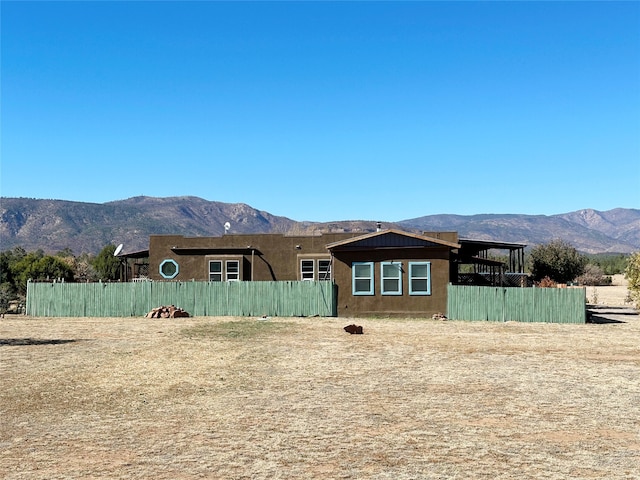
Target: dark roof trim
column 138, row 254
column 488, row 244
column 215, row 251
column 482, row 261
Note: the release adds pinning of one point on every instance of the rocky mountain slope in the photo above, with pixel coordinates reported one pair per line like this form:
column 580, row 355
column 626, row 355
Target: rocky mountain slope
column 590, row 231
column 53, row 225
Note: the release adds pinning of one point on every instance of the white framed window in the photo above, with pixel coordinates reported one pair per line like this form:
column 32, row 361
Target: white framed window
column 324, row 269
column 307, row 270
column 233, row 270
column 362, row 278
column 224, row 269
column 391, row 278
column 419, row 278
column 312, row 267
column 215, row 270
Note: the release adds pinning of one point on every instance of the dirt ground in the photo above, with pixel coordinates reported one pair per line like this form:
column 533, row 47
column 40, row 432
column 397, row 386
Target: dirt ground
column 298, row 398
column 615, row 295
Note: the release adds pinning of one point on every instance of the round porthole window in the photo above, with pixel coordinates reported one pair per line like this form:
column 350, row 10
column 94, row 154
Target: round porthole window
column 169, row 268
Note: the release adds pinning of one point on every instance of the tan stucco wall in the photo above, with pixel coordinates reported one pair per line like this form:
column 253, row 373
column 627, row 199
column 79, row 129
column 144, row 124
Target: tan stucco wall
column 276, row 257
column 393, row 305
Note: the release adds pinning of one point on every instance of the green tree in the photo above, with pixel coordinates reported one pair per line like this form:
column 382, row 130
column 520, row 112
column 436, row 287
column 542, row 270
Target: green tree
column 6, row 296
column 632, row 274
column 66, row 253
column 106, row 265
column 37, row 266
column 557, row 260
column 610, row 263
column 8, row 281
column 8, row 259
column 5, row 268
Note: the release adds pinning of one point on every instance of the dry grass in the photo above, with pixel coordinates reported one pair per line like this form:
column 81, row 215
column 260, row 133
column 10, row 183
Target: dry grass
column 614, row 295
column 299, row 398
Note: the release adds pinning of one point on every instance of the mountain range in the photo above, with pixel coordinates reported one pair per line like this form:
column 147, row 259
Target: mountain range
column 55, row 225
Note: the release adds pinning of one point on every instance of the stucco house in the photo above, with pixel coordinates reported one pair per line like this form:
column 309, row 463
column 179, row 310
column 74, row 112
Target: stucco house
column 383, row 273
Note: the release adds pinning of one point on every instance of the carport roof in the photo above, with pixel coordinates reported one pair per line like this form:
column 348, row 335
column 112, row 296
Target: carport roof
column 492, row 244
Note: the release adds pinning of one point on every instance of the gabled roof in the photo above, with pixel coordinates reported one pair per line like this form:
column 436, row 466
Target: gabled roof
column 390, row 239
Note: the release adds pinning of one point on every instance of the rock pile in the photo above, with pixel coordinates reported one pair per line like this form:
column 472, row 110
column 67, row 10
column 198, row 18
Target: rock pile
column 353, row 329
column 167, row 312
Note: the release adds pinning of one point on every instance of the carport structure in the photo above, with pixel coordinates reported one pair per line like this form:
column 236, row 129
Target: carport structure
column 486, row 270
column 134, row 266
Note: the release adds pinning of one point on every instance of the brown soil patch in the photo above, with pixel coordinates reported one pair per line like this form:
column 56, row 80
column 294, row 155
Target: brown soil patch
column 289, row 398
column 614, row 295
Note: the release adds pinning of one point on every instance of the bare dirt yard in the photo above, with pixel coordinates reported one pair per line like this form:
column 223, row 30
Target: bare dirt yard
column 615, row 295
column 294, row 398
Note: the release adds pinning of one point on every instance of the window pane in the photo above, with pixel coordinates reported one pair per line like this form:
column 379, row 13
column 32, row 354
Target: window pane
column 215, row 270
column 419, row 270
column 233, row 269
column 306, row 269
column 324, row 269
column 169, row 268
column 419, row 278
column 362, row 270
column 233, row 266
column 390, row 285
column 419, row 285
column 391, row 278
column 389, row 270
column 362, row 278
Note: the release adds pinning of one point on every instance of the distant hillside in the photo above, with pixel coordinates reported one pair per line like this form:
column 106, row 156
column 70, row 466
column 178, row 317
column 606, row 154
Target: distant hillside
column 589, row 231
column 53, row 225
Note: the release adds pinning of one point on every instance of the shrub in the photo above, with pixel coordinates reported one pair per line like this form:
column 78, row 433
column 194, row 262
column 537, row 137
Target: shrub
column 546, row 282
column 632, row 274
column 557, row 260
column 593, row 276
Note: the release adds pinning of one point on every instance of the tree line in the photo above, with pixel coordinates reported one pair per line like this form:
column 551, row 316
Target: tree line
column 17, row 267
column 559, row 262
column 562, row 263
column 556, row 262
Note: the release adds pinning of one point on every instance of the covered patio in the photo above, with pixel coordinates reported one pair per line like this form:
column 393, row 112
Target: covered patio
column 479, row 262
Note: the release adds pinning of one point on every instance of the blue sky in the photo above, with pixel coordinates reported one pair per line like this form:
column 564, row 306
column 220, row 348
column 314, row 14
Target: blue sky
column 325, row 110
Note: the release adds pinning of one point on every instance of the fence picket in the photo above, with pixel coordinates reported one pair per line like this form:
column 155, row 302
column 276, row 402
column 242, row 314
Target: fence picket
column 551, row 305
column 287, row 298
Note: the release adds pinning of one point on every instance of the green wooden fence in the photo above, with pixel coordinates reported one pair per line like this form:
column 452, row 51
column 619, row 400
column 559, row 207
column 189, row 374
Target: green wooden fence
column 286, row 298
column 551, row 305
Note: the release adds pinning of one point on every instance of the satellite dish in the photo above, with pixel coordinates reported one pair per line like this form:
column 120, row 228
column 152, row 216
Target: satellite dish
column 118, row 250
column 227, row 226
